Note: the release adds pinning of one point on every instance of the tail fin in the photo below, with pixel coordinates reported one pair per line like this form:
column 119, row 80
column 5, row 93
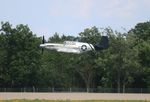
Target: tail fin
column 103, row 44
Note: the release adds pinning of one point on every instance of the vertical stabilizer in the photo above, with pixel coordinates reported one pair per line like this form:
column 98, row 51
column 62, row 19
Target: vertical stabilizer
column 103, row 44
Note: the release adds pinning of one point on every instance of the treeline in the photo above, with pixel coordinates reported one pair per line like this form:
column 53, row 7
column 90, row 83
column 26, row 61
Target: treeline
column 125, row 64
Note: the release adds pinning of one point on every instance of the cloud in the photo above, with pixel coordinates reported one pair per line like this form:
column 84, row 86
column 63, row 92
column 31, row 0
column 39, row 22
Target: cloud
column 117, row 8
column 146, row 2
column 76, row 9
column 85, row 7
column 97, row 12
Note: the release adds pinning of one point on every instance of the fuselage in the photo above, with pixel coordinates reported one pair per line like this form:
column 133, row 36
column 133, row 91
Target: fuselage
column 69, row 47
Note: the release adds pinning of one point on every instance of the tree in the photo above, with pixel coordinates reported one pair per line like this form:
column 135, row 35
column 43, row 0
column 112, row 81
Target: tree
column 118, row 62
column 125, row 64
column 55, row 38
column 142, row 33
column 85, row 64
column 56, row 66
column 22, row 57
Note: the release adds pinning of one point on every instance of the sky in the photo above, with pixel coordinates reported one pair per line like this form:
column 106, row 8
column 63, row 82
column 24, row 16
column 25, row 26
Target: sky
column 70, row 17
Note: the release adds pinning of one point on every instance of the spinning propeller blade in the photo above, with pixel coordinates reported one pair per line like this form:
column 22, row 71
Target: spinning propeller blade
column 43, row 41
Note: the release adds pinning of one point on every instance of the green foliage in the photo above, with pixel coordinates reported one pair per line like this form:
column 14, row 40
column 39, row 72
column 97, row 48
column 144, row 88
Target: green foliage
column 142, row 30
column 21, row 57
column 142, row 44
column 125, row 64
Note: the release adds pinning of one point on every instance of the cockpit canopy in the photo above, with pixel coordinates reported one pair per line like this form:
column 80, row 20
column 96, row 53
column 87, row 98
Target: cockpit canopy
column 69, row 42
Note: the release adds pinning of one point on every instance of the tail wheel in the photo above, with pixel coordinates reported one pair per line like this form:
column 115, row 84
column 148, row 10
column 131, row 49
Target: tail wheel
column 83, row 47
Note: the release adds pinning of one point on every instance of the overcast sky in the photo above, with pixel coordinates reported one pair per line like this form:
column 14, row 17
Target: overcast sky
column 70, row 17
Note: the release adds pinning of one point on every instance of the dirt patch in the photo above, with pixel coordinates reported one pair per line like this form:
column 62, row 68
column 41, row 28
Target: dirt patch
column 74, row 96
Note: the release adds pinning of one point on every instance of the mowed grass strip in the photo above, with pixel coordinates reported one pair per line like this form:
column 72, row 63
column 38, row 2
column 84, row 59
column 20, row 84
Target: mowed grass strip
column 73, row 101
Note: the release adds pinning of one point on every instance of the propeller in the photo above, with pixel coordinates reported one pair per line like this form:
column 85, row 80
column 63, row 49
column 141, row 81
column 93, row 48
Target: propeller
column 43, row 41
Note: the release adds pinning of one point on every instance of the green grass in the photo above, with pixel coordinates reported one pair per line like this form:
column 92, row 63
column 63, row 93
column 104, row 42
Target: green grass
column 71, row 101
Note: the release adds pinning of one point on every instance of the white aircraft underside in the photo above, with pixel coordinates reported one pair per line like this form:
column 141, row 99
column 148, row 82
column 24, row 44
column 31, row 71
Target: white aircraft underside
column 69, row 47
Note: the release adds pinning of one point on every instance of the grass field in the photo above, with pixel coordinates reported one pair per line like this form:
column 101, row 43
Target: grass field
column 72, row 101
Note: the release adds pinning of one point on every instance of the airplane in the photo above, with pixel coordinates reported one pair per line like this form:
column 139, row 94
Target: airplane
column 75, row 47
